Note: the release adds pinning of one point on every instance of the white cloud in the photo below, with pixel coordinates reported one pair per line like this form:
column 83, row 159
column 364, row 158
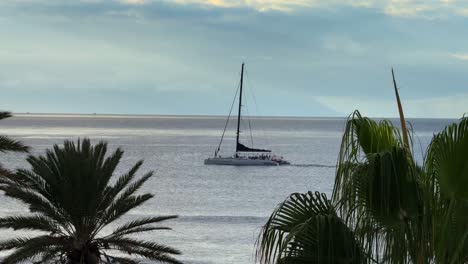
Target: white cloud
column 462, row 11
column 460, row 56
column 133, row 2
column 216, row 3
column 408, row 8
column 453, row 106
column 260, row 5
column 399, row 8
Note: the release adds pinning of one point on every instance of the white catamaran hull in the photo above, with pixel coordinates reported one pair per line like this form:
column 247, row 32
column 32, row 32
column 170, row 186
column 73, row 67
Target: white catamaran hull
column 240, row 162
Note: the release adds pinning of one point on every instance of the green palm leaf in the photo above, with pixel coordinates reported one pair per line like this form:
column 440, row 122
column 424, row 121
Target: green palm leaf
column 388, row 209
column 362, row 140
column 68, row 190
column 390, row 191
column 306, row 229
column 447, row 160
column 446, row 170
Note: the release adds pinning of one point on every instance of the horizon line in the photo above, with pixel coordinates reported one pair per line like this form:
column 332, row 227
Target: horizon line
column 114, row 115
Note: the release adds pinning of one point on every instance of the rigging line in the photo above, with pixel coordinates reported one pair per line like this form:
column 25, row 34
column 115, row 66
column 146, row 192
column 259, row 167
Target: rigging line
column 248, row 114
column 251, row 137
column 252, row 93
column 250, row 126
column 227, row 121
column 256, row 105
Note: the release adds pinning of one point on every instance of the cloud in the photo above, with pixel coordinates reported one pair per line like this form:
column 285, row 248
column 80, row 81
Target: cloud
column 133, row 2
column 428, row 9
column 259, row 5
column 396, row 8
column 460, row 56
column 453, row 106
column 276, row 5
column 408, row 8
column 329, row 48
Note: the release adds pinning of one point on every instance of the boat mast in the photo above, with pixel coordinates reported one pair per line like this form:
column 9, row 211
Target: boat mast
column 240, row 106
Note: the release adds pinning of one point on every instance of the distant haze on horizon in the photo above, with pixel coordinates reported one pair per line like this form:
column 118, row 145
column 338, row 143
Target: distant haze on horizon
column 233, row 117
column 305, row 58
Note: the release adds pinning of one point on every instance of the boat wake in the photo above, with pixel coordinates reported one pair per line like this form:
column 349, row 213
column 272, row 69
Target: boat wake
column 313, row 165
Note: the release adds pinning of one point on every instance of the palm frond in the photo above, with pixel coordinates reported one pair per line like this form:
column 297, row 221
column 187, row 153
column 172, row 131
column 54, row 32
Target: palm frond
column 447, row 161
column 33, row 222
column 363, row 137
column 52, row 256
column 391, row 190
column 306, row 229
column 8, row 144
column 109, row 259
column 111, row 192
column 5, row 175
column 36, row 202
column 446, row 171
column 126, row 242
column 4, row 114
column 378, row 191
column 68, row 191
column 141, row 225
column 125, row 202
column 450, row 231
column 29, row 248
column 385, row 207
column 400, row 111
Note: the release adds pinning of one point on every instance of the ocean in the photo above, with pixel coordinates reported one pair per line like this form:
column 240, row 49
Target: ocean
column 221, row 208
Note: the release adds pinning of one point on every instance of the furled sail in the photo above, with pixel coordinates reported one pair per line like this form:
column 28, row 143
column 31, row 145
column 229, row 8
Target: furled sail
column 243, row 148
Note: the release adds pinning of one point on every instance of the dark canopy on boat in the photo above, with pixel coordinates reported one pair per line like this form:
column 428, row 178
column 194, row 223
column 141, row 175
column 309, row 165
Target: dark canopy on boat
column 242, row 148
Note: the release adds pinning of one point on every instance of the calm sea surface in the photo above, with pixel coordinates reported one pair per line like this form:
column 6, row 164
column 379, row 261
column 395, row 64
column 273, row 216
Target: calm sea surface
column 221, row 209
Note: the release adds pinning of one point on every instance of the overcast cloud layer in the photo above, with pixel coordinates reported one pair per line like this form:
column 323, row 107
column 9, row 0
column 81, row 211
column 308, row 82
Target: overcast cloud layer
column 303, row 57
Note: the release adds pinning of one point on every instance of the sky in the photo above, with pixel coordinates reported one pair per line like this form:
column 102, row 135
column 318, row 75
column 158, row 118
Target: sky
column 183, row 57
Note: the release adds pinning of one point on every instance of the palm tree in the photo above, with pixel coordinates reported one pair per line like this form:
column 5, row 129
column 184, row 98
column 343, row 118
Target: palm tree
column 9, row 145
column 385, row 208
column 71, row 200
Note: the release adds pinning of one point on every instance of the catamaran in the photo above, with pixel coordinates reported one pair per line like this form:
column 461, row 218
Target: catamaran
column 244, row 156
